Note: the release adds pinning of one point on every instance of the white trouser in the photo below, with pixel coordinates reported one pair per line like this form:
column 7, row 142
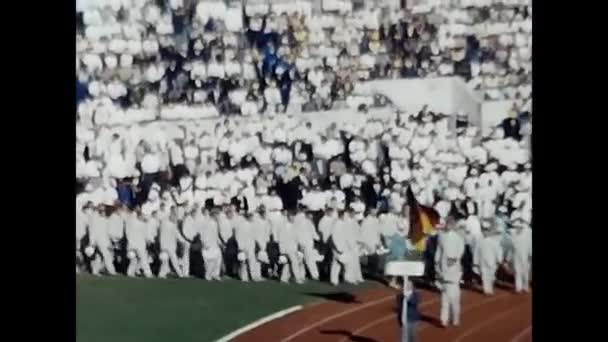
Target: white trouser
column 336, row 268
column 311, row 262
column 357, row 273
column 213, row 267
column 172, row 262
column 488, row 276
column 522, row 276
column 139, row 262
column 450, row 303
column 79, row 256
column 250, row 266
column 352, row 269
column 292, row 267
column 105, row 253
column 185, row 259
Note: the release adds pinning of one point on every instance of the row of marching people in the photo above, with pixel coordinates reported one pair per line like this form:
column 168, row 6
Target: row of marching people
column 329, row 245
column 231, row 242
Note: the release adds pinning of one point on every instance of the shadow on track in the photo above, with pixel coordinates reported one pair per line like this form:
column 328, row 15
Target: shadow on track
column 351, row 337
column 341, row 297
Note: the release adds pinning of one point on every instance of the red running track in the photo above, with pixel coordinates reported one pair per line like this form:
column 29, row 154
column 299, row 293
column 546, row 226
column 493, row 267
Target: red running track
column 503, row 317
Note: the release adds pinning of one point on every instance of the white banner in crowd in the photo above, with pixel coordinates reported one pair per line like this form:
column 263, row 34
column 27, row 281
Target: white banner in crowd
column 448, row 95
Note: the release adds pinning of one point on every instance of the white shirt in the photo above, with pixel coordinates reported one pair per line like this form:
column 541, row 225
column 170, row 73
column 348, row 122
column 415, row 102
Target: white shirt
column 314, row 200
column 282, row 155
column 450, row 246
column 198, row 71
column 272, row 95
column 168, row 233
column 237, row 149
column 150, row 163
column 98, row 230
column 233, row 20
column 389, row 222
column 232, row 68
column 263, row 155
column 136, row 232
column 216, row 70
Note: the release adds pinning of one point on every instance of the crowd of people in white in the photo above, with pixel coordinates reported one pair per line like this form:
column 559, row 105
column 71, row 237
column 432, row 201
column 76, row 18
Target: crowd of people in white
column 162, row 179
column 268, row 188
column 138, row 60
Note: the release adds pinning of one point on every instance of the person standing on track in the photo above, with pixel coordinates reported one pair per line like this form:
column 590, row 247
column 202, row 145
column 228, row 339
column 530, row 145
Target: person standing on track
column 326, row 226
column 407, row 302
column 188, row 234
column 450, row 250
column 488, row 256
column 82, row 222
column 137, row 254
column 306, row 236
column 100, row 245
column 522, row 255
column 245, row 238
column 261, row 232
column 288, row 247
column 371, row 241
column 343, row 256
column 168, row 237
column 211, row 251
column 228, row 242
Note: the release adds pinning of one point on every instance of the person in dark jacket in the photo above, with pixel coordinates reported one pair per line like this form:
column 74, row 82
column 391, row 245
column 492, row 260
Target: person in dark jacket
column 511, row 127
column 407, row 302
column 126, row 196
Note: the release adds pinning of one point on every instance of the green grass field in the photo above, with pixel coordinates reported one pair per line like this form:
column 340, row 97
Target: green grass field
column 120, row 309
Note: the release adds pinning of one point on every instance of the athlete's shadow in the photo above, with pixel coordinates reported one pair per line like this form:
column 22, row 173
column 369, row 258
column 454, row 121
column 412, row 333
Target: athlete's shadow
column 342, row 297
column 351, row 337
column 434, row 321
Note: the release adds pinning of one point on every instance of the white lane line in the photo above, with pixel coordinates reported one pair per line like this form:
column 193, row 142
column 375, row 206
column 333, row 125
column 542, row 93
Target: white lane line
column 259, row 322
column 488, row 322
column 338, row 315
column 522, row 334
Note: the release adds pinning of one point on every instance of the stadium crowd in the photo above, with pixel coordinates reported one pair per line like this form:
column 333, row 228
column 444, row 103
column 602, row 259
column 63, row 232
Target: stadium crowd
column 200, row 59
column 267, row 193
